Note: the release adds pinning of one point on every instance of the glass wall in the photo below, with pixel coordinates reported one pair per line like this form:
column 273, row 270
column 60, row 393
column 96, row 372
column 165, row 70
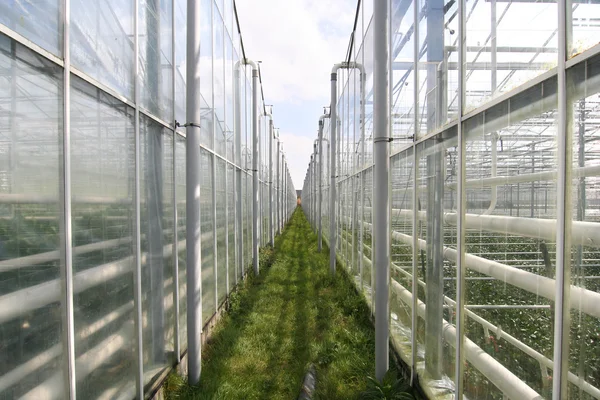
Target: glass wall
column 494, row 194
column 93, row 269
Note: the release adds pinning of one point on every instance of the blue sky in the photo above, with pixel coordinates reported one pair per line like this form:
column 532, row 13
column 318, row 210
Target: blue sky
column 298, row 41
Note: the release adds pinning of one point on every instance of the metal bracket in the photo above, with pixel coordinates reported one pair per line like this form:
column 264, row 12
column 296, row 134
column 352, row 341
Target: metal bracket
column 177, row 124
column 383, row 139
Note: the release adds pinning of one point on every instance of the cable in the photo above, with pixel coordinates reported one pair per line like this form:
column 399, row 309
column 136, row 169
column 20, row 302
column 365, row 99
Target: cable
column 351, row 45
column 237, row 20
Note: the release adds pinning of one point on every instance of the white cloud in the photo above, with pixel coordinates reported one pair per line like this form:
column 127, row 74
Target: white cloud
column 298, row 41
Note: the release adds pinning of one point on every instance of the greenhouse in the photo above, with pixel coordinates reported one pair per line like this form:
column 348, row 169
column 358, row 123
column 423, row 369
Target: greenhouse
column 454, row 181
column 456, row 177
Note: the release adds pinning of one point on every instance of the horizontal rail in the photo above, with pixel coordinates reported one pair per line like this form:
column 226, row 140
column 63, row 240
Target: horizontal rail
column 497, row 373
column 543, row 360
column 582, row 233
column 580, row 299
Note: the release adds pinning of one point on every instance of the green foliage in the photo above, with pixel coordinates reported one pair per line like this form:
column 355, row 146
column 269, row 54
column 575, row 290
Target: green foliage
column 391, row 388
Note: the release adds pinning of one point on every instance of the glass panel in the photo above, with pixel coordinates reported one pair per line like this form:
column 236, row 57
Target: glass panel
column 583, row 26
column 403, row 76
column 101, row 38
column 507, row 45
column 222, row 262
column 231, row 215
column 31, row 129
column 402, row 253
column 584, row 355
column 436, row 170
column 229, row 108
column 38, row 21
column 208, row 234
column 156, row 58
column 368, row 276
column 103, row 166
column 510, row 243
column 180, row 176
column 228, row 17
column 206, row 71
column 219, row 84
column 366, row 52
column 156, row 188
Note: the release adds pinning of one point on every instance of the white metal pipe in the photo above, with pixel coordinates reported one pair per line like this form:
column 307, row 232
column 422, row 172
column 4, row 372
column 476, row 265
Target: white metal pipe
column 193, row 185
column 255, row 166
column 381, row 179
column 581, row 299
column 499, row 375
column 26, row 261
column 332, row 169
column 582, row 233
column 581, row 172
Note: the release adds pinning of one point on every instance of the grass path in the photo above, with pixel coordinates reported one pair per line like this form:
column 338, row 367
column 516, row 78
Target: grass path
column 293, row 314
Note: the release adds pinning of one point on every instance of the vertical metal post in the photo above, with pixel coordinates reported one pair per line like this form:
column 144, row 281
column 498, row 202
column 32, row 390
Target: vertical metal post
column 213, row 157
column 260, row 184
column 415, row 194
column 320, row 187
column 285, row 194
column 354, row 167
column 237, row 127
column 461, row 198
column 271, row 234
column 65, row 228
column 137, row 294
column 381, row 205
column 313, row 191
column 174, row 198
column 255, row 166
column 363, row 179
column 193, row 235
column 332, row 159
column 216, row 259
column 339, row 198
column 563, row 214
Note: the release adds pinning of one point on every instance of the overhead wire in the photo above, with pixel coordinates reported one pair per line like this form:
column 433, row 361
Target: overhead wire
column 237, row 20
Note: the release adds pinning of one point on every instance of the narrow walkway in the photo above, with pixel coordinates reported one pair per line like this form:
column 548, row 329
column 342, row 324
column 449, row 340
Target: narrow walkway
column 292, row 315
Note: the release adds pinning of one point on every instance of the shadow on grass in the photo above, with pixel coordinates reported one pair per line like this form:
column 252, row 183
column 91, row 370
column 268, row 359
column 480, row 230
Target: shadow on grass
column 293, row 314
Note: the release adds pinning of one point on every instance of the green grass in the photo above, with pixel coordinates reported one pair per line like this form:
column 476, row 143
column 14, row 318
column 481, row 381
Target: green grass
column 292, row 315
